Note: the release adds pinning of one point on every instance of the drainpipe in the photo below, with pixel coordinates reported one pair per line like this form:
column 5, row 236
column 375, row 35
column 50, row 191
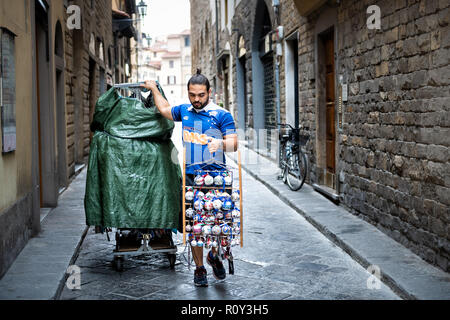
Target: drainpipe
column 276, row 4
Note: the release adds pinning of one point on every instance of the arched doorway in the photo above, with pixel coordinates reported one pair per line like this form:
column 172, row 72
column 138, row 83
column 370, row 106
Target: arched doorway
column 264, row 114
column 47, row 172
column 60, row 107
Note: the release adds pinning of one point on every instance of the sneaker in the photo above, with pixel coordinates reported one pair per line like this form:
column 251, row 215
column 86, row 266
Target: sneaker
column 217, row 266
column 200, row 279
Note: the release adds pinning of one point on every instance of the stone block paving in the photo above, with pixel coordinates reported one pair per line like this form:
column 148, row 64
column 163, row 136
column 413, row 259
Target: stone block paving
column 284, row 257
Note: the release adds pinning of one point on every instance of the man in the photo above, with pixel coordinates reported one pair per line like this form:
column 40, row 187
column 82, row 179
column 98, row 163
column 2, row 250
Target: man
column 208, row 131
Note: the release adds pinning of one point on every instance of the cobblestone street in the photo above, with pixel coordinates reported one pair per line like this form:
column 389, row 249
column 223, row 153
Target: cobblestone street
column 283, row 257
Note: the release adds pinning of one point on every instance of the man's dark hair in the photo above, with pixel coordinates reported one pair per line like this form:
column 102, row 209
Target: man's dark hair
column 198, row 78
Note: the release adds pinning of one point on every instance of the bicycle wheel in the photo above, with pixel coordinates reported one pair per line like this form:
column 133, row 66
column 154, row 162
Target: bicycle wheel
column 297, row 170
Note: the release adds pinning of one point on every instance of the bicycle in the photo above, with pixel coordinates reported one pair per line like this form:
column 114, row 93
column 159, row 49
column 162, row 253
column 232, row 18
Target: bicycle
column 293, row 161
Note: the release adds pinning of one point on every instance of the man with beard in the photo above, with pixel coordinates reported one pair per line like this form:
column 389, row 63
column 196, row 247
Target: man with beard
column 208, row 131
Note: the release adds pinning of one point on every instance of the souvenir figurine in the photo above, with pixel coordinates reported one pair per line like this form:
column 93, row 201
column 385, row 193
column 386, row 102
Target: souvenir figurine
column 235, row 213
column 189, row 196
column 200, row 195
column 198, row 204
column 200, row 243
column 209, row 180
column 193, row 243
column 197, row 228
column 189, row 213
column 226, row 230
column 219, row 215
column 199, row 180
column 216, row 230
column 188, row 228
column 218, row 180
column 228, row 180
column 206, row 230
column 227, row 205
column 228, row 215
column 209, row 205
column 217, row 204
column 214, row 244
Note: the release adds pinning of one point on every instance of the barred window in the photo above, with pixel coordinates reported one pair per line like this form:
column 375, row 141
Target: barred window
column 7, row 90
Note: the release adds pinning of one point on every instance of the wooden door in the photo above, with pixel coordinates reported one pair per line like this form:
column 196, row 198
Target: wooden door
column 330, row 104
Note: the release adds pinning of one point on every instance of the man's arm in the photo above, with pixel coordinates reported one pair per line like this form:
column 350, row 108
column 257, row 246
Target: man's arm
column 162, row 104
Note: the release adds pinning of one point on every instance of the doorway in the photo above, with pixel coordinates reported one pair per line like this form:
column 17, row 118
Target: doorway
column 45, row 115
column 326, row 109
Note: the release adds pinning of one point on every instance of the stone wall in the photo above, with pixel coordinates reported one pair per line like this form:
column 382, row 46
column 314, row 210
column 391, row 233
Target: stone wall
column 395, row 145
column 392, row 152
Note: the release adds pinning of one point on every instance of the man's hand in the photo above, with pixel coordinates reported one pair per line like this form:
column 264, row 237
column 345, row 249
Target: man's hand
column 150, row 84
column 214, row 144
column 161, row 103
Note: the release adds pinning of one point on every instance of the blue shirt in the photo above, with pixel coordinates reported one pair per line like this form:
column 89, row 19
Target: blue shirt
column 212, row 121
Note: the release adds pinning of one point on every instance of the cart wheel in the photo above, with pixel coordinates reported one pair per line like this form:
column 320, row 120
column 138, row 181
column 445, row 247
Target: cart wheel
column 118, row 263
column 172, row 259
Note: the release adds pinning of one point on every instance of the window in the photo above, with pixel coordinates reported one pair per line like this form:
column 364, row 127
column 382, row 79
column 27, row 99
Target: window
column 154, row 54
column 7, row 90
column 171, row 64
column 187, row 41
column 171, row 80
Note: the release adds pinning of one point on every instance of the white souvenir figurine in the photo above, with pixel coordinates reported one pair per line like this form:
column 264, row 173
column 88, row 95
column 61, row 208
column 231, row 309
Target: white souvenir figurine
column 189, row 195
column 225, row 194
column 199, row 180
column 206, row 230
column 218, row 180
column 200, row 195
column 217, row 204
column 228, row 180
column 235, row 196
column 235, row 213
column 188, row 228
column 209, row 180
column 219, row 215
column 193, row 243
column 216, row 230
column 200, row 243
column 197, row 228
column 198, row 205
column 189, row 213
column 209, row 205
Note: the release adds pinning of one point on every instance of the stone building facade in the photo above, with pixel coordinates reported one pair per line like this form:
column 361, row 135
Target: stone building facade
column 56, row 74
column 375, row 102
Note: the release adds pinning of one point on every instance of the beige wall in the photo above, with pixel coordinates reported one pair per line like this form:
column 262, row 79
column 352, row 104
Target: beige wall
column 15, row 167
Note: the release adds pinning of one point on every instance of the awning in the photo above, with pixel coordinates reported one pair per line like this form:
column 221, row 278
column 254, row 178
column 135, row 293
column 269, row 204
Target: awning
column 122, row 23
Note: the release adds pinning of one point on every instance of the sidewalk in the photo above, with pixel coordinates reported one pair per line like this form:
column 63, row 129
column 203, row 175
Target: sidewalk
column 402, row 270
column 39, row 272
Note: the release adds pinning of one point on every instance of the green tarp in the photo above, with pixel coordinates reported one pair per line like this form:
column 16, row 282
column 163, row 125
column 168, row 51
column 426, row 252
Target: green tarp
column 133, row 176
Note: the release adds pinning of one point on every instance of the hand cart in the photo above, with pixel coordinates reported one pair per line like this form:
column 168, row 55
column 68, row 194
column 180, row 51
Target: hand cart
column 134, row 242
column 202, row 220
